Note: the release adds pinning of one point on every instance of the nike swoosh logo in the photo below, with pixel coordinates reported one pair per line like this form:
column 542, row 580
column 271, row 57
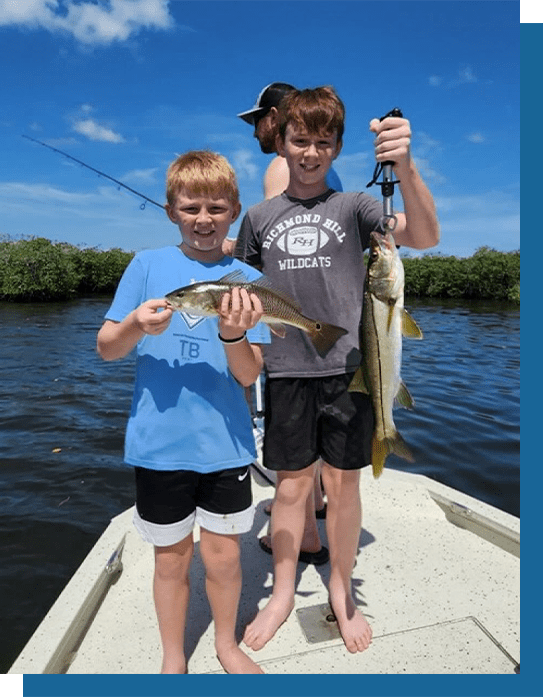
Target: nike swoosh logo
column 243, row 476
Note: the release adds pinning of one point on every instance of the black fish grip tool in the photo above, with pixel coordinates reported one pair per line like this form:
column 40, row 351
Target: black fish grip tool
column 388, row 221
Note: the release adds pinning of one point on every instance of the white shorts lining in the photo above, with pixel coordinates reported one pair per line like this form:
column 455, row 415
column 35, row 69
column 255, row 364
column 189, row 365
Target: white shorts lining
column 172, row 533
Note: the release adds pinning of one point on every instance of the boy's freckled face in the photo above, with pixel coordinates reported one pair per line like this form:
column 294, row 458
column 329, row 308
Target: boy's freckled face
column 309, row 156
column 204, row 223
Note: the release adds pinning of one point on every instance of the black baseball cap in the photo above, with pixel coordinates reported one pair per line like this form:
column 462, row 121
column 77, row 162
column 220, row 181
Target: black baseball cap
column 268, row 97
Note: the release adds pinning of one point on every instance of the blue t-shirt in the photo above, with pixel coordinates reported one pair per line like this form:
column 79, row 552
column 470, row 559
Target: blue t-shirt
column 188, row 411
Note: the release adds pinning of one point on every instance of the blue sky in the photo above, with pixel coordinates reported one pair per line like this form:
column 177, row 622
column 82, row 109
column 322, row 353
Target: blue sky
column 126, row 85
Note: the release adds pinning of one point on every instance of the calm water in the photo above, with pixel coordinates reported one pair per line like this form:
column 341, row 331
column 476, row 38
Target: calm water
column 63, row 414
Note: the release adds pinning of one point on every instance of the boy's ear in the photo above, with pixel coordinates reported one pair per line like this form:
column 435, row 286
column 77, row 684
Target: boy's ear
column 236, row 211
column 169, row 212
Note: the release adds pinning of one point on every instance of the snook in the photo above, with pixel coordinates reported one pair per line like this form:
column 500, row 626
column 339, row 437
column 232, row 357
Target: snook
column 204, row 298
column 384, row 322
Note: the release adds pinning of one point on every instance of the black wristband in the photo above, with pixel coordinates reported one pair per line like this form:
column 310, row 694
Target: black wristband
column 231, row 341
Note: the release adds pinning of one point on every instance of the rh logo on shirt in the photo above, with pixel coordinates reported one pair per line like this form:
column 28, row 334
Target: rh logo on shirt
column 303, row 240
column 300, row 234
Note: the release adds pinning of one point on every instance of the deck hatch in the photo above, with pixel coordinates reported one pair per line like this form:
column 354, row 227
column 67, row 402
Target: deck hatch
column 318, row 623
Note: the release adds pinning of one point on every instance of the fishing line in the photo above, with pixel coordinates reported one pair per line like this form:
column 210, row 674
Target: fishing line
column 101, row 174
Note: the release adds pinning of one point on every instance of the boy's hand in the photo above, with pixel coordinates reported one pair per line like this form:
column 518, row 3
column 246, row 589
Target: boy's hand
column 393, row 140
column 239, row 311
column 153, row 316
column 228, row 246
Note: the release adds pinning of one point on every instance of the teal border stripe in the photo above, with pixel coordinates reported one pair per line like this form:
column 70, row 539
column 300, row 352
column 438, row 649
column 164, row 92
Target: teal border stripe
column 531, row 416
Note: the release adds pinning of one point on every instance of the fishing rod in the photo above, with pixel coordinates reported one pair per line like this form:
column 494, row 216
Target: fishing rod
column 102, row 174
column 387, row 184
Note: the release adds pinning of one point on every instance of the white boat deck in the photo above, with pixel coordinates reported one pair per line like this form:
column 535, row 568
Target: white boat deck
column 441, row 598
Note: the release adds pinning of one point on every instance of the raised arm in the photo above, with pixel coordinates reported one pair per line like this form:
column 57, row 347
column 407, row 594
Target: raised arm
column 417, row 226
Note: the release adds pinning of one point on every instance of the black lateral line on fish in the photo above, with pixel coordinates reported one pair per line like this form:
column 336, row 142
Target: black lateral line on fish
column 379, row 368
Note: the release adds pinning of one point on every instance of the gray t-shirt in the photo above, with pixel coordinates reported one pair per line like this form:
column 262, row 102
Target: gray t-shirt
column 313, row 250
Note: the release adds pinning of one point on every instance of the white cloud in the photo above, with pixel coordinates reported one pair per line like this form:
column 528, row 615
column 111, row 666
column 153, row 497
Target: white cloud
column 105, row 216
column 140, row 175
column 465, row 76
column 355, row 170
column 422, row 144
column 424, row 147
column 476, row 138
column 88, row 22
column 426, row 170
column 490, row 218
column 243, row 164
column 94, row 131
column 19, row 192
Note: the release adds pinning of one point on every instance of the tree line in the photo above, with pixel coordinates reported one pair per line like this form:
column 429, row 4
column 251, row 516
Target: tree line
column 37, row 269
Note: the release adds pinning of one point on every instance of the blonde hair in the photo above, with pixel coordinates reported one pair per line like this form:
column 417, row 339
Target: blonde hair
column 316, row 110
column 202, row 173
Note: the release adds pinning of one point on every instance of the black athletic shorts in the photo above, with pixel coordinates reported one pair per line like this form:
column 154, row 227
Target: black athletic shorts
column 311, row 418
column 169, row 503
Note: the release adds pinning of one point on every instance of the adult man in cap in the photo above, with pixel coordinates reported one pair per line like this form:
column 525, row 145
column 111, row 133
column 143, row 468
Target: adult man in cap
column 263, row 116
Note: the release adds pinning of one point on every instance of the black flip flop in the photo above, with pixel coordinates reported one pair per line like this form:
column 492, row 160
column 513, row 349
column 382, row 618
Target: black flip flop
column 315, row 558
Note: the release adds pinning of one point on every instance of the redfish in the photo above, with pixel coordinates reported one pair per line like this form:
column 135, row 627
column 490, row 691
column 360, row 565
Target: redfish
column 204, row 298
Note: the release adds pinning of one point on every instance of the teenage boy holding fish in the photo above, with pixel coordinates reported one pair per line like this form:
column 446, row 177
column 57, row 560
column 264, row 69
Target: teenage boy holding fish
column 309, row 242
column 189, row 435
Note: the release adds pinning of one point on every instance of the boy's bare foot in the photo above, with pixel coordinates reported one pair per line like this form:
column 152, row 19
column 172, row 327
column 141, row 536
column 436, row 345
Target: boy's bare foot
column 355, row 629
column 235, row 662
column 267, row 621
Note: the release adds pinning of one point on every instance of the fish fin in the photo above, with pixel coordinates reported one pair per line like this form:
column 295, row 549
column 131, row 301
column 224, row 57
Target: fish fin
column 409, row 328
column 358, row 383
column 265, row 282
column 277, row 328
column 324, row 336
column 400, row 448
column 379, row 453
column 381, row 448
column 236, row 276
column 404, row 397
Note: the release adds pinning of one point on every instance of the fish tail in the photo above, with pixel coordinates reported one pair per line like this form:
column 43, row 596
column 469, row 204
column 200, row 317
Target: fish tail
column 324, row 336
column 382, row 447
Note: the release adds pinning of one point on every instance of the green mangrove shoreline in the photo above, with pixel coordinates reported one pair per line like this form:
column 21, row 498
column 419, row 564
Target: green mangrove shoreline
column 37, row 269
